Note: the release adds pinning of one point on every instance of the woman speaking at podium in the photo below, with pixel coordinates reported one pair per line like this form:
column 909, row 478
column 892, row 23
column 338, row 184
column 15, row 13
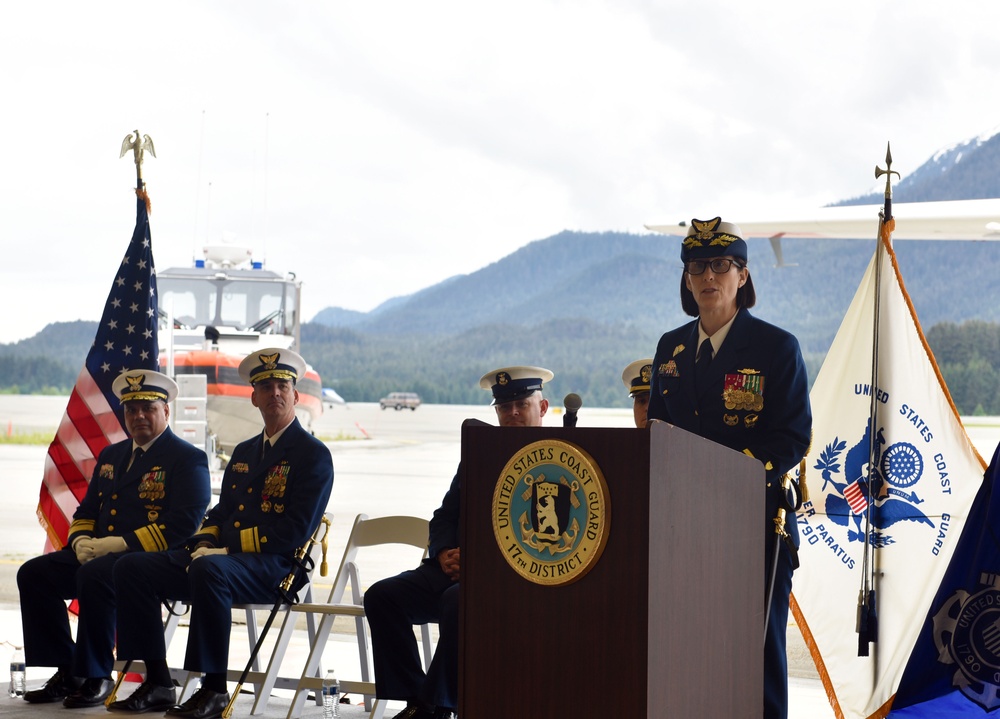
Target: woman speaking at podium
column 736, row 380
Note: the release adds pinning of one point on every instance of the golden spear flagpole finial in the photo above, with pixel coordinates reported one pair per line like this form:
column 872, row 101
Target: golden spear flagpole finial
column 888, row 172
column 138, row 146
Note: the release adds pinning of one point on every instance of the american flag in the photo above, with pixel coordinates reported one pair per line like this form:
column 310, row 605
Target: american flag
column 854, row 493
column 125, row 339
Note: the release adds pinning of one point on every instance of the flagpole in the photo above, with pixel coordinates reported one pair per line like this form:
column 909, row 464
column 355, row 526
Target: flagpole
column 138, row 146
column 867, row 624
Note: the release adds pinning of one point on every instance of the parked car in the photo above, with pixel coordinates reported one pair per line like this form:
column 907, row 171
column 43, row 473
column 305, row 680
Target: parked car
column 400, row 400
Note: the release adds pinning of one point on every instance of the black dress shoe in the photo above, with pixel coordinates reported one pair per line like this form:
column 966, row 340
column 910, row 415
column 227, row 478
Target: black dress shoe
column 415, row 712
column 92, row 692
column 59, row 686
column 203, row 704
column 147, row 698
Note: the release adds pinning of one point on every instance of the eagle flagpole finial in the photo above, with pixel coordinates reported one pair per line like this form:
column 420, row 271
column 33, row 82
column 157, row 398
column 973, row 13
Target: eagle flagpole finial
column 138, row 147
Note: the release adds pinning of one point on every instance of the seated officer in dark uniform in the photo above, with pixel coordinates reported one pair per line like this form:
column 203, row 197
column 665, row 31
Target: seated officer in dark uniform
column 636, row 378
column 147, row 493
column 274, row 492
column 429, row 593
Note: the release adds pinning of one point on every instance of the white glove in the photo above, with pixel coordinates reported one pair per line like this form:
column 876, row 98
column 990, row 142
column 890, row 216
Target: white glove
column 107, row 545
column 84, row 548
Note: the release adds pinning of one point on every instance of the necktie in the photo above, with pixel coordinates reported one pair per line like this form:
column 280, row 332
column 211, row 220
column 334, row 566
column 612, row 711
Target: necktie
column 704, row 360
column 267, row 446
column 136, row 456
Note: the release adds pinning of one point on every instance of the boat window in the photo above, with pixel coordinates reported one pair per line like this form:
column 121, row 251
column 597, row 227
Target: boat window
column 267, row 307
column 191, row 302
column 254, row 305
column 233, row 312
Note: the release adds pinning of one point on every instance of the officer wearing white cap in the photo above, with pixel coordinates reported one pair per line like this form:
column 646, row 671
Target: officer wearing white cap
column 429, row 593
column 274, row 492
column 514, row 394
column 741, row 382
column 636, row 379
column 147, row 493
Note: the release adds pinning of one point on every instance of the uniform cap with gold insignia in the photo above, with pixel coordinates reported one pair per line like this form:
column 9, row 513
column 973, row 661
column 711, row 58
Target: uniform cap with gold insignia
column 637, row 375
column 713, row 238
column 145, row 385
column 510, row 383
column 272, row 363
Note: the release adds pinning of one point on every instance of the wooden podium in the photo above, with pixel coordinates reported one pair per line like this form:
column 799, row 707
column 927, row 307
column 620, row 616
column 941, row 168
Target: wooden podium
column 667, row 622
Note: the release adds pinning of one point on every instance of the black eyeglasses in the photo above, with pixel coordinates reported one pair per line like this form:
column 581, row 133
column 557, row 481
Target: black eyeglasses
column 719, row 265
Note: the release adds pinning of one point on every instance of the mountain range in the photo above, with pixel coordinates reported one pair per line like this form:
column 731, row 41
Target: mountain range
column 585, row 304
column 964, row 171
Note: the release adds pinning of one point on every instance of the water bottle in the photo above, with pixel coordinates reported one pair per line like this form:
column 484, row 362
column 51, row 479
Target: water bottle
column 331, row 696
column 17, row 673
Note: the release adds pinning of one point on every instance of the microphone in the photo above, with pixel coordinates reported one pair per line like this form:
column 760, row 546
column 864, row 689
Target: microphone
column 572, row 403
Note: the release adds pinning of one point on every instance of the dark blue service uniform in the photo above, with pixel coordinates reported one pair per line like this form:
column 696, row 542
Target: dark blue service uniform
column 268, row 508
column 759, row 372
column 154, row 505
column 418, row 596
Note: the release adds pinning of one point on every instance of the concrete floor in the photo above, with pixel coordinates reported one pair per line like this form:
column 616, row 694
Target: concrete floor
column 386, row 463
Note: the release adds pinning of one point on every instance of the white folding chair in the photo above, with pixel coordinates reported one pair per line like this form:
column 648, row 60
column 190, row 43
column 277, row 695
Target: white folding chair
column 365, row 533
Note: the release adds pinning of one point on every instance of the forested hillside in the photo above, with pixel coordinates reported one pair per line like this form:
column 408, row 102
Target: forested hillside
column 585, row 304
column 965, row 171
column 587, row 318
column 47, row 363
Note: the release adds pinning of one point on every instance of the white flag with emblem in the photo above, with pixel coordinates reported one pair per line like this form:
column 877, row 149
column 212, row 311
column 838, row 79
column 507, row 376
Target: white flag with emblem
column 911, row 507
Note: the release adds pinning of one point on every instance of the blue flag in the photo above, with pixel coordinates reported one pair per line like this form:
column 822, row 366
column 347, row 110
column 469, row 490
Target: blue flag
column 954, row 668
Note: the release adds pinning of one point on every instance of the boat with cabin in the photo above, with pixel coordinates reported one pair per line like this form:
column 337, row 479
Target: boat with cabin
column 212, row 316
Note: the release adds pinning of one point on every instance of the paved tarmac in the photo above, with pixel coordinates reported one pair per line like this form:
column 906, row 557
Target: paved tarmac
column 386, row 462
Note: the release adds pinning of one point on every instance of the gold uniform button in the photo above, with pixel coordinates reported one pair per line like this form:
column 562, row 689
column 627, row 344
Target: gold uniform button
column 114, row 496
column 114, row 512
column 241, row 507
column 111, row 527
column 249, row 490
column 236, row 524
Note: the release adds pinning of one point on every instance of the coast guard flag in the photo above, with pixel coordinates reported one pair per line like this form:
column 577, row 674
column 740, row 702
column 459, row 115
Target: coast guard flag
column 125, row 339
column 954, row 670
column 925, row 475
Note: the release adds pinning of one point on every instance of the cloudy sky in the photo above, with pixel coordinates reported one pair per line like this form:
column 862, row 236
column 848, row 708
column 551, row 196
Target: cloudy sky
column 376, row 148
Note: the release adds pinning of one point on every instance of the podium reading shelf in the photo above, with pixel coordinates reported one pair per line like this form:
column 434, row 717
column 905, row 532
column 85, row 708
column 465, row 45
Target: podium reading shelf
column 656, row 608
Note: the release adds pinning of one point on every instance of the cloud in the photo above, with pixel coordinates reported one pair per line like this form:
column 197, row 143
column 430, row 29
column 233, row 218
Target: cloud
column 375, row 149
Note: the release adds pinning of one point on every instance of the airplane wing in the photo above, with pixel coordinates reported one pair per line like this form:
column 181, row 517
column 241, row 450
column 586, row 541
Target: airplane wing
column 331, row 397
column 950, row 220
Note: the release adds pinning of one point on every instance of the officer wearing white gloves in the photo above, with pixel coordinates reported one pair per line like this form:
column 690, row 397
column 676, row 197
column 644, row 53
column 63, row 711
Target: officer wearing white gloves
column 147, row 493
